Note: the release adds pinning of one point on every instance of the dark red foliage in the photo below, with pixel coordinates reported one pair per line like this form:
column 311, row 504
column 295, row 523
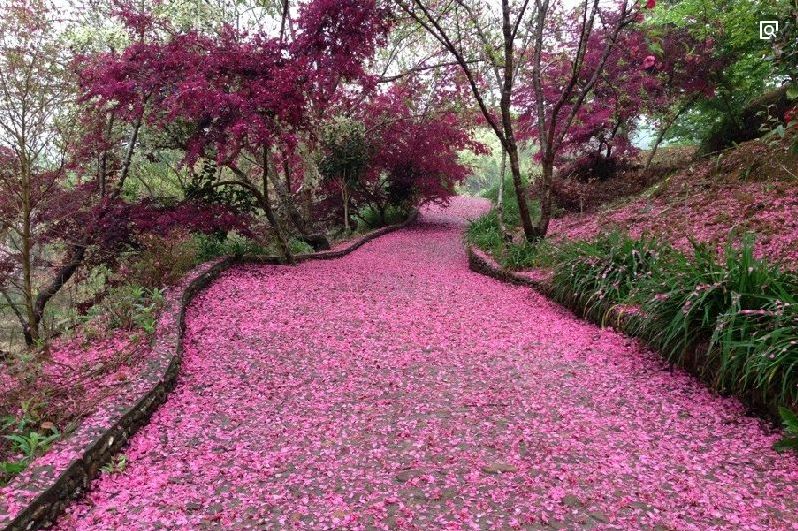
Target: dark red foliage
column 336, row 37
column 221, row 94
column 417, row 150
column 150, row 218
column 644, row 74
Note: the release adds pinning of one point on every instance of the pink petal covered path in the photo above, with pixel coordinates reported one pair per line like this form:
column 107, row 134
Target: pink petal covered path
column 394, row 388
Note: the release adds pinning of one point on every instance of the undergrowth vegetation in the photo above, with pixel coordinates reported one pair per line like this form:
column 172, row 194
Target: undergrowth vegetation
column 601, row 274
column 485, row 232
column 372, row 218
column 25, row 438
column 729, row 316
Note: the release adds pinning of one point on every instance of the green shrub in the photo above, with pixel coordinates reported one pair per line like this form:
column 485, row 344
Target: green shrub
column 23, row 443
column 485, row 234
column 767, row 340
column 736, row 306
column 161, row 260
column 300, row 247
column 210, row 247
column 736, row 313
column 371, row 218
column 790, row 439
column 129, row 307
column 526, row 255
column 521, row 256
column 756, row 338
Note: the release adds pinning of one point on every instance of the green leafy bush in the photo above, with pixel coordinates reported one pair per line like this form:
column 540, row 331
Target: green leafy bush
column 738, row 314
column 790, row 439
column 300, row 247
column 522, row 256
column 740, row 306
column 23, row 442
column 210, row 247
column 372, row 219
column 129, row 307
column 161, row 260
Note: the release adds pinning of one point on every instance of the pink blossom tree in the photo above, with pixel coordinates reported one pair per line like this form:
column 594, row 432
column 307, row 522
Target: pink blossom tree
column 644, row 74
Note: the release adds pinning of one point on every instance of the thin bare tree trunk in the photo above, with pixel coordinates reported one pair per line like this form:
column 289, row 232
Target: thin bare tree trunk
column 520, row 193
column 669, row 121
column 265, row 203
column 59, row 280
column 509, row 143
column 128, row 161
column 31, row 328
column 500, row 199
column 345, row 199
column 547, row 166
column 284, row 195
column 263, row 200
column 103, row 180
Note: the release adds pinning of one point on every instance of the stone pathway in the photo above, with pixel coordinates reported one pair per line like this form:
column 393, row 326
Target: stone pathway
column 394, row 388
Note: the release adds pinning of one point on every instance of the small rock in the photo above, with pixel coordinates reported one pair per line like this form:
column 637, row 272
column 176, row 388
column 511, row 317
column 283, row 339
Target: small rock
column 406, row 475
column 499, row 468
column 571, row 501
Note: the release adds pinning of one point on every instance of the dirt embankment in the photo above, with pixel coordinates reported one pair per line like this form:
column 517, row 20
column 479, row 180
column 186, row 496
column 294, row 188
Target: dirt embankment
column 751, row 188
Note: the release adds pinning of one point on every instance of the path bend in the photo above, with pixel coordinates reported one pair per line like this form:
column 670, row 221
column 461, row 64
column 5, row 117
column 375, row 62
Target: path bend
column 394, row 388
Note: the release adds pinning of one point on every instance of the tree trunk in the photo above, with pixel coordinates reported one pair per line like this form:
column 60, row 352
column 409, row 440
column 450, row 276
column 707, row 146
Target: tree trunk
column 287, row 171
column 319, row 240
column 61, row 278
column 265, row 203
column 31, row 328
column 284, row 195
column 131, row 148
column 103, row 171
column 669, row 121
column 520, row 193
column 653, row 151
column 307, row 200
column 500, row 199
column 345, row 199
column 381, row 210
column 547, row 165
column 505, row 105
column 286, row 249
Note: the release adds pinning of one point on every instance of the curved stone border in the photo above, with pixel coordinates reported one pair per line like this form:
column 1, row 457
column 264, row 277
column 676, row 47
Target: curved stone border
column 693, row 361
column 49, row 488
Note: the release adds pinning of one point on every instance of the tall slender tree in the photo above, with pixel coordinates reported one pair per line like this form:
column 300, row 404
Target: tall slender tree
column 34, row 96
column 513, row 38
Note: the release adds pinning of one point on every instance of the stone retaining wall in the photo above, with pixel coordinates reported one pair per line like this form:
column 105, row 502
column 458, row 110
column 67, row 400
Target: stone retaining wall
column 38, row 495
column 693, row 361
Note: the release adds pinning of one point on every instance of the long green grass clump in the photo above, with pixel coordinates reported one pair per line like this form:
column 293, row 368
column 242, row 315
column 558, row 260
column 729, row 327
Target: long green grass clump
column 734, row 315
column 738, row 313
column 595, row 276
